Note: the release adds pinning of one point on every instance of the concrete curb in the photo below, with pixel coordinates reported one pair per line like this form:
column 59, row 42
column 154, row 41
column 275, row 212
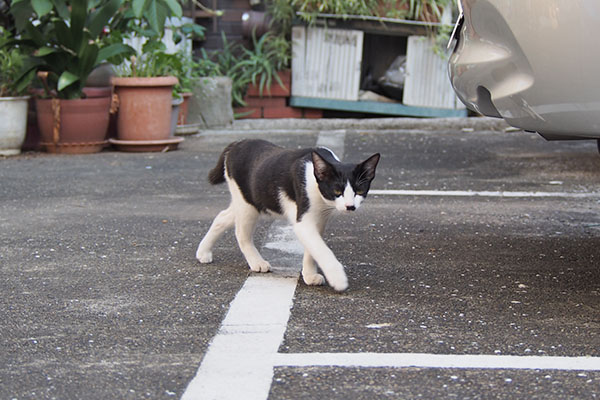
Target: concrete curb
column 370, row 124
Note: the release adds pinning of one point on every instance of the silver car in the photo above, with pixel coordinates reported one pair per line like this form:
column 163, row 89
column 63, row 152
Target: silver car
column 535, row 63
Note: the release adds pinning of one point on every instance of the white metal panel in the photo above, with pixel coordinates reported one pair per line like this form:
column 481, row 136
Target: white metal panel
column 427, row 83
column 326, row 62
column 298, row 56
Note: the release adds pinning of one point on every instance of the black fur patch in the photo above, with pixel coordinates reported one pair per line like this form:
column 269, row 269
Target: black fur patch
column 262, row 170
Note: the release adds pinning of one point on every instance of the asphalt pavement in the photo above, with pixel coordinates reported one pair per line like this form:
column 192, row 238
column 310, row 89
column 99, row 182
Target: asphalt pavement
column 478, row 240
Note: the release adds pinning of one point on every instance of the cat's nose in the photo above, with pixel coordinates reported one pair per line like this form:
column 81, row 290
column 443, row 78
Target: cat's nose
column 350, row 208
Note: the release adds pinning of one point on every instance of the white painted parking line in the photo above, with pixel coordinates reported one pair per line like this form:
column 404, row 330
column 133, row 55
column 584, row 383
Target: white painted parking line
column 239, row 361
column 419, row 360
column 471, row 193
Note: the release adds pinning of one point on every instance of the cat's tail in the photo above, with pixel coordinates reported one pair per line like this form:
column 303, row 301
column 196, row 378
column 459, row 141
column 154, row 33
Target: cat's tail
column 217, row 174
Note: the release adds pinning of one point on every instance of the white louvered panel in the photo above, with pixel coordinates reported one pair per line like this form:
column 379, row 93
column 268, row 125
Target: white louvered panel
column 326, row 62
column 426, row 83
column 298, row 55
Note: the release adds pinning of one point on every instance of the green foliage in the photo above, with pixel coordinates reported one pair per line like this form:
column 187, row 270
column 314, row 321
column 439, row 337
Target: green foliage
column 227, row 59
column 154, row 60
column 258, row 65
column 206, row 66
column 151, row 15
column 282, row 13
column 427, row 10
column 69, row 38
column 424, row 10
column 11, row 65
column 65, row 38
column 310, row 8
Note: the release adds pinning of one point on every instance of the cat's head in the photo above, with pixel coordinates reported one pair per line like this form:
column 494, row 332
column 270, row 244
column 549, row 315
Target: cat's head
column 345, row 185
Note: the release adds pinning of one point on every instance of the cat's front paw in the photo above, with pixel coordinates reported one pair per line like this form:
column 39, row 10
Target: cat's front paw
column 339, row 282
column 204, row 257
column 260, row 266
column 313, row 280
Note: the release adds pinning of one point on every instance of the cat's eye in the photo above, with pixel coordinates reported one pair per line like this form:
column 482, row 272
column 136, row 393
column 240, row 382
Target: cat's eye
column 337, row 192
column 360, row 192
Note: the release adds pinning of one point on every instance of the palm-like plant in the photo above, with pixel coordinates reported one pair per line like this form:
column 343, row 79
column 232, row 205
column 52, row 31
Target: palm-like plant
column 260, row 65
column 69, row 38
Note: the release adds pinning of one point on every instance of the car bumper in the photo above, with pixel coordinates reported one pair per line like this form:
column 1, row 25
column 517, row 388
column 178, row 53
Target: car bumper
column 534, row 63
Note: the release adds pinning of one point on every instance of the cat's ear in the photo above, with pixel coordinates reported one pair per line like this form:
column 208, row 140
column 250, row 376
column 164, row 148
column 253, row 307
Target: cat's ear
column 368, row 166
column 322, row 168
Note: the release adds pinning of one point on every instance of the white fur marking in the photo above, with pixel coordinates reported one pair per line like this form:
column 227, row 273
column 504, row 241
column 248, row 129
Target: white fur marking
column 330, row 151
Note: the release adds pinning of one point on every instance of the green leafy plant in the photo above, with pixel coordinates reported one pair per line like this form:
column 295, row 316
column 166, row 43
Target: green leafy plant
column 424, row 10
column 161, row 63
column 11, row 65
column 427, row 10
column 204, row 65
column 310, row 8
column 224, row 62
column 154, row 60
column 282, row 14
column 260, row 64
column 257, row 65
column 146, row 17
column 65, row 38
column 69, row 38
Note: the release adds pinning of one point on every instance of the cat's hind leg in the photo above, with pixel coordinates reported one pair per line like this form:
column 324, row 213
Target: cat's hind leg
column 223, row 221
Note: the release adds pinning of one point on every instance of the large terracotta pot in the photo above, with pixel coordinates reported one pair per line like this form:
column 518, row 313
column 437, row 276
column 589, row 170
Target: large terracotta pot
column 144, row 107
column 73, row 126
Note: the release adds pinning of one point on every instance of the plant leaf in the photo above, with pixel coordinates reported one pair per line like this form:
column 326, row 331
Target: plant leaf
column 21, row 11
column 151, row 14
column 64, row 35
column 78, row 18
column 101, row 17
column 61, row 8
column 112, row 50
column 44, row 51
column 66, row 79
column 41, row 7
column 174, row 7
column 138, row 7
column 87, row 60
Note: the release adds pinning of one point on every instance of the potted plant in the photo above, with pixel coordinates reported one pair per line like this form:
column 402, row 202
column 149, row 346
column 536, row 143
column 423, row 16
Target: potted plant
column 264, row 69
column 66, row 40
column 184, row 67
column 213, row 88
column 13, row 104
column 144, row 90
column 144, row 95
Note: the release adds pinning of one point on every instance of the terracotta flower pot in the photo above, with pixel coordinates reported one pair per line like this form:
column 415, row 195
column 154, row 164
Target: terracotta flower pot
column 144, row 107
column 73, row 126
column 183, row 108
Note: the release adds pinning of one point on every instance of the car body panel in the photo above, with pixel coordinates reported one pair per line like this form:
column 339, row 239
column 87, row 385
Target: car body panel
column 535, row 63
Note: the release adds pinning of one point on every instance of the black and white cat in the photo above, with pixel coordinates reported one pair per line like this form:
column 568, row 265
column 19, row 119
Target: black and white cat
column 304, row 186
